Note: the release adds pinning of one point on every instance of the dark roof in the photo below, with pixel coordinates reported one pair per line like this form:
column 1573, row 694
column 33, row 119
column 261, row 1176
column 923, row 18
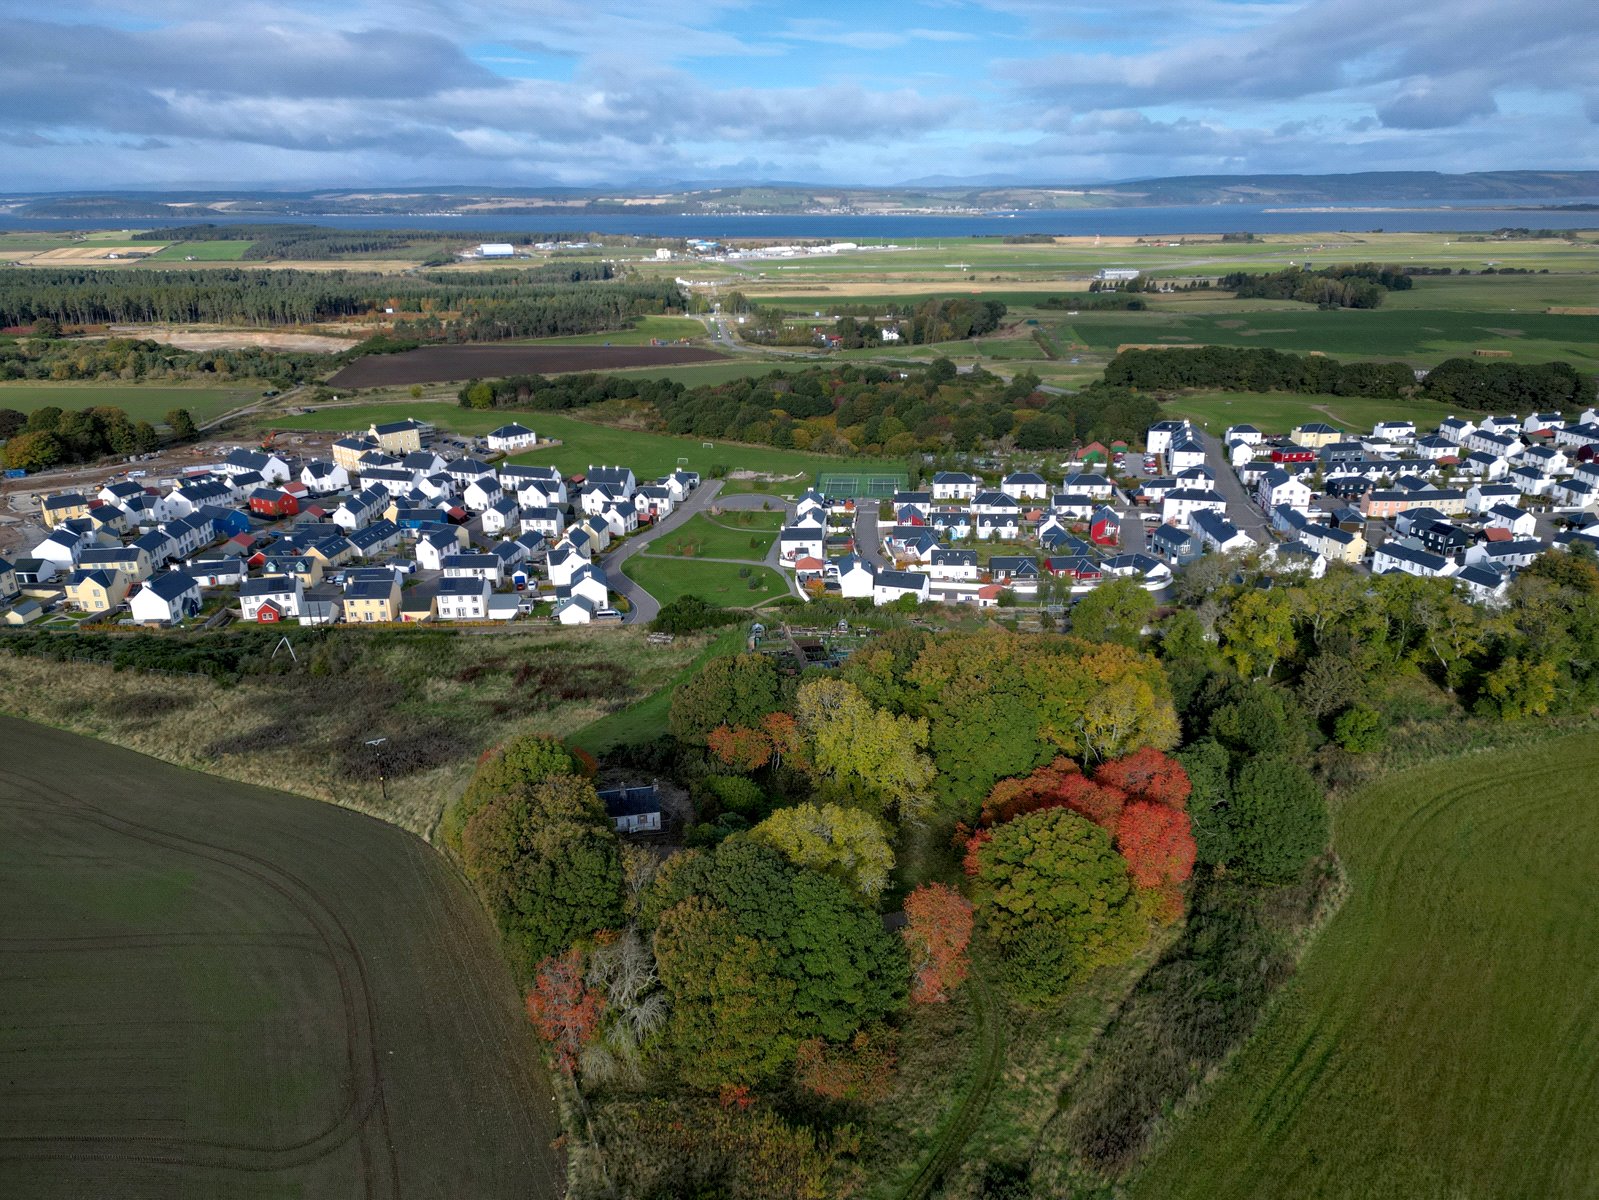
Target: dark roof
column 461, row 587
column 636, row 801
column 912, row 580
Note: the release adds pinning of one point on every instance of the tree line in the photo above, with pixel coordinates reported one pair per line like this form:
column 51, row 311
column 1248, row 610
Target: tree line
column 272, row 240
column 51, row 436
column 1361, row 285
column 138, row 359
column 1467, row 383
column 553, row 299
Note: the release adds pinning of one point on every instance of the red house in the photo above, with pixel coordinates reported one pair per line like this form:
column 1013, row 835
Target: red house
column 1293, row 456
column 269, row 502
column 268, row 614
column 1105, row 529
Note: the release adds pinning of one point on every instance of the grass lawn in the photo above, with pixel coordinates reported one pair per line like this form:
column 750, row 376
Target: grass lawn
column 669, row 329
column 1441, row 1038
column 140, row 403
column 1279, row 412
column 727, row 536
column 202, row 252
column 718, row 584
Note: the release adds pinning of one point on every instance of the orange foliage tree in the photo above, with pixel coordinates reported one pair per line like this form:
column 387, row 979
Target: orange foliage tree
column 861, row 1070
column 1147, row 774
column 563, row 1008
column 749, row 748
column 937, row 933
column 1156, row 842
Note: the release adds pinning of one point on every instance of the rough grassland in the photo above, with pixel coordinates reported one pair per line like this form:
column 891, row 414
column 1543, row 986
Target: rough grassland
column 1279, row 412
column 442, row 698
column 1441, row 1039
column 215, row 990
column 140, row 403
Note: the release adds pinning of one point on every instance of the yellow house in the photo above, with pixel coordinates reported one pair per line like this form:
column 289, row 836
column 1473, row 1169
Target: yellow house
column 398, row 437
column 334, row 552
column 96, row 591
column 347, row 452
column 366, row 603
column 1315, row 435
column 55, row 509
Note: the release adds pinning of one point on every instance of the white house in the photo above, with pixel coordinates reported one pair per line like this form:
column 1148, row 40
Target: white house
column 1408, row 555
column 620, row 478
column 502, row 516
column 1217, row 533
column 1025, row 485
column 563, row 562
column 856, row 577
column 1161, row 434
column 534, row 485
column 1183, row 453
column 271, row 598
column 1247, row 434
column 508, row 439
column 575, row 610
column 953, row 565
column 1179, row 505
column 462, row 599
column 1277, row 486
column 434, row 546
column 1394, row 431
column 796, row 543
column 589, row 582
column 321, row 477
column 550, row 522
column 954, row 485
column 891, row 585
column 1522, row 524
column 490, row 568
column 1456, row 429
column 165, row 599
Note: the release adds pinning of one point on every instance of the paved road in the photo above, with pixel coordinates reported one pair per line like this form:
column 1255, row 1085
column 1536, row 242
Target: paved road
column 1242, row 510
column 642, row 606
column 868, row 543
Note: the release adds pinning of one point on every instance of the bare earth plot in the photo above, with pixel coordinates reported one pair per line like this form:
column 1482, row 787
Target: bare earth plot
column 208, row 990
column 442, row 364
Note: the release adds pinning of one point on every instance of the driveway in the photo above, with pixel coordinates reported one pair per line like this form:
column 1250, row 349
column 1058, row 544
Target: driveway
column 867, row 542
column 642, row 606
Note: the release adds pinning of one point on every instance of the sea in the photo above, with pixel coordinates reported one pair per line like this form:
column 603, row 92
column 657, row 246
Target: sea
column 1353, row 217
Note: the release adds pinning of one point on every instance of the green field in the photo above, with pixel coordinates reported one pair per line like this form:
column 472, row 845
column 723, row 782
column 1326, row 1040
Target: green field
column 718, row 584
column 208, row 993
column 1441, row 1041
column 202, row 252
column 1420, row 336
column 1279, row 412
column 726, row 536
column 140, row 403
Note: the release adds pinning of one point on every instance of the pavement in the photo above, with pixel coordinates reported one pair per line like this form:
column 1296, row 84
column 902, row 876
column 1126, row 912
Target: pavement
column 642, row 606
column 1242, row 510
column 868, row 544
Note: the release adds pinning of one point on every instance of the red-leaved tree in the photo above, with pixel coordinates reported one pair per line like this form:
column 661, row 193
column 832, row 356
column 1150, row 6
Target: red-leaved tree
column 1147, row 774
column 563, row 1008
column 970, row 862
column 1156, row 842
column 937, row 932
column 1011, row 798
column 740, row 746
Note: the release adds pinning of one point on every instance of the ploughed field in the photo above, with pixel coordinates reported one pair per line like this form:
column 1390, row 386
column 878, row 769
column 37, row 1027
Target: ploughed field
column 209, row 989
column 444, row 364
column 1441, row 1040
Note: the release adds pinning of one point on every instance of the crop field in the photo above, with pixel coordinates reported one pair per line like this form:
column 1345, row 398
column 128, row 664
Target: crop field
column 1441, row 1039
column 1421, row 336
column 726, row 536
column 669, row 329
column 210, row 992
column 1279, row 412
column 202, row 252
column 140, row 403
column 443, row 364
column 718, row 584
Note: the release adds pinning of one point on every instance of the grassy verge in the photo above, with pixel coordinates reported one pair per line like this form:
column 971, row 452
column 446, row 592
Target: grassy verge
column 732, row 535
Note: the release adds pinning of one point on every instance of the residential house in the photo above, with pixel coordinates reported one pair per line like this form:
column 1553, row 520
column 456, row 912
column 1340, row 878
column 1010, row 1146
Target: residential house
column 375, row 539
column 217, row 570
column 1179, row 547
column 372, row 601
column 418, row 605
column 681, row 483
column 166, row 599
column 486, row 567
column 1162, row 433
column 1516, row 520
column 574, row 610
column 1480, row 497
column 1005, row 527
column 502, row 517
column 322, row 478
column 1408, row 555
column 62, row 507
column 619, row 478
column 1154, row 574
column 271, row 598
column 620, row 519
column 1394, row 431
column 1295, row 558
column 1013, row 569
column 398, row 437
column 955, row 485
column 508, row 439
column 1537, row 422
column 1334, row 543
column 1484, row 583
column 1215, row 532
column 1277, row 486
column 1443, row 537
column 856, row 576
column 1247, row 435
column 347, row 451
column 1313, row 435
column 8, row 581
column 654, row 501
column 564, row 561
column 60, row 547
column 890, row 586
column 1456, row 429
column 1184, row 453
column 544, row 520
column 796, row 543
column 271, row 503
column 534, row 485
column 1519, row 552
column 481, row 493
column 589, row 582
column 1104, row 528
column 991, row 504
column 30, row 572
column 1025, row 485
column 1179, row 505
column 437, row 544
column 96, row 591
column 272, row 468
column 423, row 463
column 461, row 598
column 633, row 809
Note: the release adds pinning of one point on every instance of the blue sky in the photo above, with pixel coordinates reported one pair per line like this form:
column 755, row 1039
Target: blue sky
column 591, row 92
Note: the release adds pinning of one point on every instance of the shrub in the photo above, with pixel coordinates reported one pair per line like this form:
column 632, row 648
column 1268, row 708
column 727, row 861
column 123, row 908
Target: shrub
column 1279, row 819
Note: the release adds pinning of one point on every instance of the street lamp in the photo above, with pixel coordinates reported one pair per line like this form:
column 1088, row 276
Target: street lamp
column 377, row 744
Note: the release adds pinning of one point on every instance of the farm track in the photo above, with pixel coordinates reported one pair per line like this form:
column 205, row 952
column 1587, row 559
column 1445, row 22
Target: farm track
column 990, row 1058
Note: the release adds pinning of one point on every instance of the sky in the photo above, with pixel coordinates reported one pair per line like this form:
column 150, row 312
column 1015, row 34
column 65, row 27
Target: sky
column 309, row 93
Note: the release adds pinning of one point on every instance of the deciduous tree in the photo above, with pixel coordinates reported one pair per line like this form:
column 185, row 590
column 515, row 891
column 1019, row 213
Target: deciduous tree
column 563, row 1008
column 1278, row 816
column 846, row 843
column 865, row 753
column 937, row 932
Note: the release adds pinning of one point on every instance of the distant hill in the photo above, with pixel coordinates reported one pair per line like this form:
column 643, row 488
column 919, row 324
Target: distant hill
column 935, row 194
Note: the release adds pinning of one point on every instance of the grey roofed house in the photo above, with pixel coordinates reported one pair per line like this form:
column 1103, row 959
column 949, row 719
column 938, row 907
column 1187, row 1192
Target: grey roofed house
column 1014, row 565
column 267, row 585
column 462, row 586
column 953, row 478
column 370, row 589
column 945, row 557
column 994, row 500
column 169, row 585
column 395, row 426
column 913, row 581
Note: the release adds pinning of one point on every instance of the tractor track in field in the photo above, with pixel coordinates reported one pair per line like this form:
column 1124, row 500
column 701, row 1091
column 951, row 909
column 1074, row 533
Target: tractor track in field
column 952, row 1138
column 380, row 1170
